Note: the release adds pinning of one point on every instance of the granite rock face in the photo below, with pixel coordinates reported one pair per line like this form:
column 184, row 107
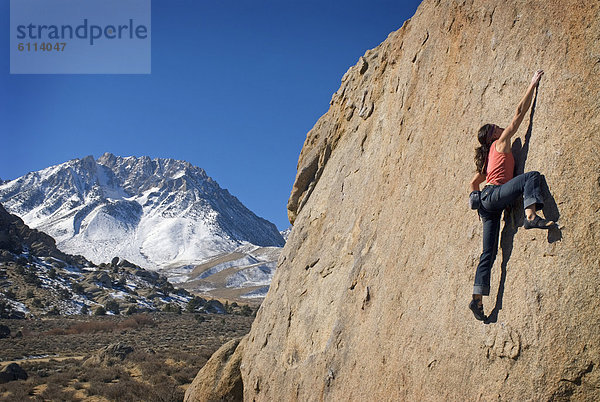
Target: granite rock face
column 369, row 301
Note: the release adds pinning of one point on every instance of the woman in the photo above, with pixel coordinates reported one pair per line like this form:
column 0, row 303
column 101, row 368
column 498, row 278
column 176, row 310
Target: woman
column 495, row 165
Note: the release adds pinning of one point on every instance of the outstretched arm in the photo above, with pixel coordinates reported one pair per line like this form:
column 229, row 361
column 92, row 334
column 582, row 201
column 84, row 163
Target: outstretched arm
column 511, row 129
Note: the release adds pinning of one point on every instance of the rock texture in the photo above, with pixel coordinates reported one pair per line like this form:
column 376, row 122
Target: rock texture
column 369, row 301
column 220, row 378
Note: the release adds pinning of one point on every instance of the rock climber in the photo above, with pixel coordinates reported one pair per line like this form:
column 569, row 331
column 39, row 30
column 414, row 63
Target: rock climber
column 495, row 165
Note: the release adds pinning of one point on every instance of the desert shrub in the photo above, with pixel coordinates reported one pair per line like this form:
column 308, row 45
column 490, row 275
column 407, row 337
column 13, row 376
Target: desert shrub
column 144, row 319
column 166, row 287
column 185, row 375
column 55, row 392
column 10, row 294
column 31, row 278
column 151, row 365
column 100, row 311
column 194, row 304
column 77, row 385
column 53, row 311
column 30, row 294
column 125, row 390
column 172, row 308
column 103, row 375
column 19, row 390
column 52, row 273
column 36, row 302
column 4, row 331
column 61, row 378
column 64, row 293
column 84, row 310
column 246, row 310
column 85, row 327
column 78, row 288
column 165, row 389
column 20, row 268
column 131, row 310
column 113, row 307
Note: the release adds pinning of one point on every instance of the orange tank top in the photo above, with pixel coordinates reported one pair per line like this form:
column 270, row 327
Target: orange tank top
column 500, row 166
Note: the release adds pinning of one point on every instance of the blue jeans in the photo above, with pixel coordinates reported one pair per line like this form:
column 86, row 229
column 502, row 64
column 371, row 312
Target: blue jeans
column 493, row 201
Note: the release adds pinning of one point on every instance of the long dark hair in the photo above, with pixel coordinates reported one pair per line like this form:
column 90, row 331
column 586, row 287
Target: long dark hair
column 481, row 152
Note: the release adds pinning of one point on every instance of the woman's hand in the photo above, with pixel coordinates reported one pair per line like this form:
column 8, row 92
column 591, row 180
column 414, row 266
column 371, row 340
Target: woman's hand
column 536, row 77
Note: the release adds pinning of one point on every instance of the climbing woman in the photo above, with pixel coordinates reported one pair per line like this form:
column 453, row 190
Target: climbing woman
column 495, row 165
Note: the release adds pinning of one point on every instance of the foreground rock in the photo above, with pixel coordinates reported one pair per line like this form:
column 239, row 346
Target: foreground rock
column 220, row 379
column 369, row 301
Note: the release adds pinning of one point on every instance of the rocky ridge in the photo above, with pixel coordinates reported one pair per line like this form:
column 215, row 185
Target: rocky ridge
column 369, row 300
column 38, row 279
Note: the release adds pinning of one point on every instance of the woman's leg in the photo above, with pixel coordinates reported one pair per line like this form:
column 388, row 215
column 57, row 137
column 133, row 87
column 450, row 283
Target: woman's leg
column 527, row 184
column 491, row 233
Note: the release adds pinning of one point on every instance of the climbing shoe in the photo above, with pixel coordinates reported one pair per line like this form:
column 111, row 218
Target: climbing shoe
column 538, row 223
column 477, row 310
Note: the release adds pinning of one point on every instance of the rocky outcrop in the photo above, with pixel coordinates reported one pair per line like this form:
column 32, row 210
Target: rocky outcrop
column 16, row 237
column 61, row 283
column 110, row 355
column 369, row 300
column 220, row 378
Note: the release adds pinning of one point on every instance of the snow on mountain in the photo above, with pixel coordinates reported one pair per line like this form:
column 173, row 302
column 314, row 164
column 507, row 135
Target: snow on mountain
column 242, row 274
column 152, row 212
column 286, row 233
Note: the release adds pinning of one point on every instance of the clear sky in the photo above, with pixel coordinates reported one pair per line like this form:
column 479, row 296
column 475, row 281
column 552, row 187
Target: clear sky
column 235, row 87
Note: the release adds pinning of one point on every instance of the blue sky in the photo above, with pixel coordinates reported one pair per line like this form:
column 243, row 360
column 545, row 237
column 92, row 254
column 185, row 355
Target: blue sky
column 235, row 87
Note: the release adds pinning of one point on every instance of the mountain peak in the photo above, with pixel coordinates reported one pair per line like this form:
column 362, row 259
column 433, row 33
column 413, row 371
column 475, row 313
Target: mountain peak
column 154, row 212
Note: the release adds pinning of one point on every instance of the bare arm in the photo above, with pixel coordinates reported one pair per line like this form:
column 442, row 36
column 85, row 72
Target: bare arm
column 476, row 181
column 511, row 129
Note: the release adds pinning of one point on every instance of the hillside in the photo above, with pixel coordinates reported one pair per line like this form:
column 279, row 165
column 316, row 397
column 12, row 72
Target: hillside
column 37, row 279
column 369, row 300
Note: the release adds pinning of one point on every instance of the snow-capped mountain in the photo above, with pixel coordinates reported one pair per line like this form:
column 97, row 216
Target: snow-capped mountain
column 286, row 233
column 156, row 213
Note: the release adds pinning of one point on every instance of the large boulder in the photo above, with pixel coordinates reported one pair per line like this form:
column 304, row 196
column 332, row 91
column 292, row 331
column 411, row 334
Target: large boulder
column 12, row 372
column 220, row 379
column 369, row 301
